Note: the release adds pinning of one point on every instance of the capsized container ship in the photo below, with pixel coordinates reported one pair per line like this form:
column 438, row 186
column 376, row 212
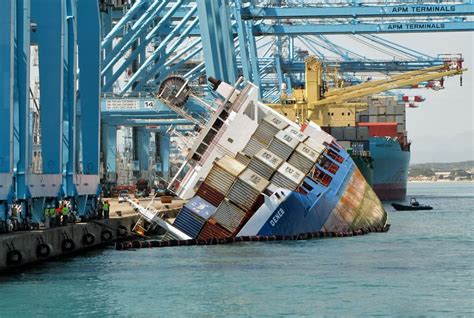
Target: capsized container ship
column 253, row 172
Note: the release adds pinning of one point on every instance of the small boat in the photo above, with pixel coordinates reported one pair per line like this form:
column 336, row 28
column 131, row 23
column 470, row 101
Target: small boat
column 414, row 206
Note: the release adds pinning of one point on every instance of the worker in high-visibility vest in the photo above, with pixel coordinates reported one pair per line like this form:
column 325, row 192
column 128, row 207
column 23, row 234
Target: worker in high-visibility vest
column 52, row 217
column 58, row 214
column 46, row 216
column 65, row 214
column 105, row 209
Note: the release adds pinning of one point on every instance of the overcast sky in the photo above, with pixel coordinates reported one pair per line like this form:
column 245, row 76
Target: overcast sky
column 442, row 128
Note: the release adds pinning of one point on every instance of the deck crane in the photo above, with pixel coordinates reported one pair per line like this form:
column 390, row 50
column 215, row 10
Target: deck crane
column 312, row 101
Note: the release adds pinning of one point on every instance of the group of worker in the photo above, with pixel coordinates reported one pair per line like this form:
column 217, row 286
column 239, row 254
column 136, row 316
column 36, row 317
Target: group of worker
column 103, row 210
column 56, row 216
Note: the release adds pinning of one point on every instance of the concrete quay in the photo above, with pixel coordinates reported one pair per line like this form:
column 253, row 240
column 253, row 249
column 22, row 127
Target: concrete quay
column 28, row 247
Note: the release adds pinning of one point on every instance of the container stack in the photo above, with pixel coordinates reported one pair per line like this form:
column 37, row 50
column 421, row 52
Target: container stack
column 283, row 145
column 266, row 130
column 247, row 189
column 219, row 180
column 193, row 216
column 288, row 177
column 265, row 163
column 304, row 158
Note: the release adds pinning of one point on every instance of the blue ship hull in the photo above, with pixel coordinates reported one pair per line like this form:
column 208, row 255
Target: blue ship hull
column 391, row 163
column 348, row 204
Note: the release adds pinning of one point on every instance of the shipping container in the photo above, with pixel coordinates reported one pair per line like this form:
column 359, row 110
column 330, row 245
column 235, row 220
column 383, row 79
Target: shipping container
column 390, row 118
column 200, row 207
column 304, row 158
column 242, row 158
column 246, row 189
column 296, row 133
column 288, row 177
column 400, row 118
column 210, row 194
column 229, row 216
column 223, row 173
column 390, row 110
column 362, row 133
column 283, row 145
column 212, row 230
column 399, row 109
column 381, row 110
column 373, row 118
column 350, row 133
column 253, row 146
column 363, row 118
column 381, row 119
column 381, row 129
column 265, row 163
column 337, row 132
column 191, row 223
column 373, row 110
column 268, row 128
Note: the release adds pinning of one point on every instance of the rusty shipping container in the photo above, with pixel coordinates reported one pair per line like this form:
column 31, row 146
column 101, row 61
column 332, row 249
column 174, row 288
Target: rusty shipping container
column 210, row 194
column 213, row 230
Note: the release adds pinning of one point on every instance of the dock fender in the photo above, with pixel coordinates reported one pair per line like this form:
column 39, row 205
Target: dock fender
column 106, row 235
column 88, row 239
column 122, row 231
column 68, row 245
column 43, row 250
column 14, row 257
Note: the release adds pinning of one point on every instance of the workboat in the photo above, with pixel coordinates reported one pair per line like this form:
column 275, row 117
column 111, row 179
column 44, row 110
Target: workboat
column 413, row 206
column 254, row 172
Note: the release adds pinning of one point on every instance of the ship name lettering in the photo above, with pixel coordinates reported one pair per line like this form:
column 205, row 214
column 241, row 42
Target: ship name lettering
column 277, row 217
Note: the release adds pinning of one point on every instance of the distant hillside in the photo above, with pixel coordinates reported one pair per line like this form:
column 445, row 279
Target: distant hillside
column 444, row 166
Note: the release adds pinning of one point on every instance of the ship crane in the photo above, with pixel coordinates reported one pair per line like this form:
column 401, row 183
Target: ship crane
column 314, row 99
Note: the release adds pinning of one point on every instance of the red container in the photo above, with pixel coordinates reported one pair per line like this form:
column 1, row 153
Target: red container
column 381, row 129
column 213, row 230
column 210, row 194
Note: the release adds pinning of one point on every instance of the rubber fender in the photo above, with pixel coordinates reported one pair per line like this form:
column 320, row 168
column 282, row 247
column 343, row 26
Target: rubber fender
column 68, row 245
column 14, row 257
column 122, row 231
column 43, row 250
column 88, row 239
column 106, row 235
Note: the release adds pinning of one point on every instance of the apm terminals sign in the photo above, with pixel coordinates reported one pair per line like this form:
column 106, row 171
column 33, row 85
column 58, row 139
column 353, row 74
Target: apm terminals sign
column 417, row 26
column 423, row 9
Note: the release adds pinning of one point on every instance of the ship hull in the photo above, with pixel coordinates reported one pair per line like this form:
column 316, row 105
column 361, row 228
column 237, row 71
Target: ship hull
column 391, row 165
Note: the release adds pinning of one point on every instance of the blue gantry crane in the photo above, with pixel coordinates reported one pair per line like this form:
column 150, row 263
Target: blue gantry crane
column 66, row 33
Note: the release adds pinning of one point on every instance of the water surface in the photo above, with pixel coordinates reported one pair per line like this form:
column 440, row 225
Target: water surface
column 422, row 267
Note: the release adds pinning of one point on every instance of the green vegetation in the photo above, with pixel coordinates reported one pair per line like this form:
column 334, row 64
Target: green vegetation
column 449, row 170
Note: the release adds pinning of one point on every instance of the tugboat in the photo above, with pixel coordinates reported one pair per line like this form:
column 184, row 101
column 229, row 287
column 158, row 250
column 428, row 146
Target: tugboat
column 414, row 206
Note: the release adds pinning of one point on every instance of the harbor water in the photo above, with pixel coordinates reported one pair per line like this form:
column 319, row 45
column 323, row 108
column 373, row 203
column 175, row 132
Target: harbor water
column 424, row 266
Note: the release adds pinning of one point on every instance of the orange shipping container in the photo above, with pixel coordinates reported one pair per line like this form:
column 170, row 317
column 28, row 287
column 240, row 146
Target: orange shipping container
column 381, row 129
